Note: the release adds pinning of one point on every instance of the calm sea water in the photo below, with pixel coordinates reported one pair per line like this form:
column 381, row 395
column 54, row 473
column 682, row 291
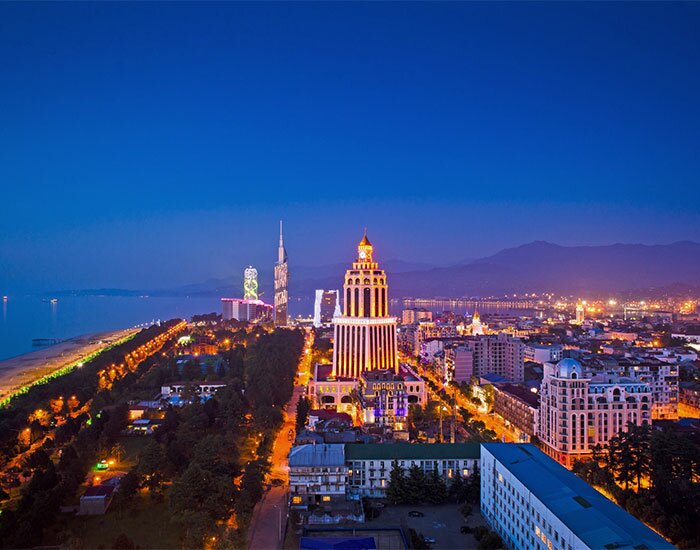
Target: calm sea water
column 26, row 317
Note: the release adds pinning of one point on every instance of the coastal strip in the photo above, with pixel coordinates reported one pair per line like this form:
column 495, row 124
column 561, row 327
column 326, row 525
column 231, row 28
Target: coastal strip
column 19, row 374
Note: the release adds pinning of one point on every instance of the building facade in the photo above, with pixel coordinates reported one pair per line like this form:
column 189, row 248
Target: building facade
column 534, row 503
column 281, row 284
column 386, row 395
column 317, row 474
column 578, row 412
column 365, row 335
column 326, row 306
column 519, row 408
column 245, row 310
column 544, row 353
column 369, row 465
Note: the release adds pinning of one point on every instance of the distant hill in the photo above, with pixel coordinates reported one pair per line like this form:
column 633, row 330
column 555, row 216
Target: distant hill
column 542, row 266
column 534, row 267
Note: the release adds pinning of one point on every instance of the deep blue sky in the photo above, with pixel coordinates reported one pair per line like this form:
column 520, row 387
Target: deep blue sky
column 147, row 145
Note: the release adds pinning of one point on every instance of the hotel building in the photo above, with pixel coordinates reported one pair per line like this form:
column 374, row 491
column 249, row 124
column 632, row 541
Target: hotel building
column 534, row 503
column 365, row 335
column 578, row 412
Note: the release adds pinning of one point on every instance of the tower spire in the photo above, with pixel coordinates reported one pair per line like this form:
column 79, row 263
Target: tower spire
column 281, row 252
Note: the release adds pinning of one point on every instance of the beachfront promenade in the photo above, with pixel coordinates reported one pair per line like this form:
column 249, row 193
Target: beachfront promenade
column 23, row 370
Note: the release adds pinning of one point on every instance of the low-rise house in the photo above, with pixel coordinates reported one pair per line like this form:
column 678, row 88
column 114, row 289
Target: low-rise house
column 317, row 475
column 96, row 500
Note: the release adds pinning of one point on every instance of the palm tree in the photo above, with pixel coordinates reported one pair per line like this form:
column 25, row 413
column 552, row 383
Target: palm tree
column 118, row 451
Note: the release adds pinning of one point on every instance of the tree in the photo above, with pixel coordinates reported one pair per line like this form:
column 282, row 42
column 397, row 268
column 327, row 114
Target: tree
column 436, row 488
column 302, row 413
column 117, row 451
column 415, row 485
column 396, row 491
column 150, row 465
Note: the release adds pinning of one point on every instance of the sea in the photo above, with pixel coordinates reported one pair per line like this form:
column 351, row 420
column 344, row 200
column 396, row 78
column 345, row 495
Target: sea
column 24, row 318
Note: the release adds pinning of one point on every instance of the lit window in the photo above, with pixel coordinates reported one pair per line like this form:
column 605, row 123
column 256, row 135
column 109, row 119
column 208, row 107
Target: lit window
column 296, row 500
column 326, row 498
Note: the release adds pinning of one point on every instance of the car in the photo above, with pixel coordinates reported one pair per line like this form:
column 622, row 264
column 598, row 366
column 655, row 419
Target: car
column 416, row 514
column 429, row 540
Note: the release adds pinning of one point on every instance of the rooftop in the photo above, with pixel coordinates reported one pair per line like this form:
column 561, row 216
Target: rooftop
column 408, row 451
column 522, row 393
column 317, row 455
column 594, row 519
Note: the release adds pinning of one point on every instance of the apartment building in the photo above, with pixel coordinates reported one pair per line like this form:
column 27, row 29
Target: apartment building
column 534, row 503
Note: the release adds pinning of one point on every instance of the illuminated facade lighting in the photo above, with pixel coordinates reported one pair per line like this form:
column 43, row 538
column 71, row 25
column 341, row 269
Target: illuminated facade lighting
column 365, row 335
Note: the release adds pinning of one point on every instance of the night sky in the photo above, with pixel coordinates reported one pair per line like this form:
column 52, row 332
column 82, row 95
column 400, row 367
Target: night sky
column 150, row 145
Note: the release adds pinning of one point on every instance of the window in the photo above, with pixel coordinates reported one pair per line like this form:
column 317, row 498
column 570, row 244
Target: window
column 326, row 498
column 296, row 499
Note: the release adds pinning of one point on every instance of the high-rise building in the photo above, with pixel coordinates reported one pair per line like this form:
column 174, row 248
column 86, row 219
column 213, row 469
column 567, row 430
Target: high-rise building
column 245, row 310
column 365, row 335
column 250, row 283
column 580, row 313
column 578, row 411
column 326, row 306
column 281, row 284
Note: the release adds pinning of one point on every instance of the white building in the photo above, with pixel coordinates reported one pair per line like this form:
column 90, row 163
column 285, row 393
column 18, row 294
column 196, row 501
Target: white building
column 369, row 465
column 317, row 474
column 578, row 412
column 534, row 503
column 326, row 306
column 544, row 353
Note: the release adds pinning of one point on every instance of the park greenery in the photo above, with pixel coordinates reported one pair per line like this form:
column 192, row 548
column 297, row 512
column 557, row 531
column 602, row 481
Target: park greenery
column 655, row 475
column 206, row 463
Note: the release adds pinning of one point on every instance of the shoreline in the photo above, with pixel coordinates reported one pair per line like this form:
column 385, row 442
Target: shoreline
column 21, row 371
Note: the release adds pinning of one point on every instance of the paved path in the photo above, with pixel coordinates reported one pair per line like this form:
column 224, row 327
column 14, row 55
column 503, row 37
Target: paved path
column 23, row 370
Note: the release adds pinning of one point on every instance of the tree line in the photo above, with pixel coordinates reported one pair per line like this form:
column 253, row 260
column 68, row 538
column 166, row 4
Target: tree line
column 655, row 475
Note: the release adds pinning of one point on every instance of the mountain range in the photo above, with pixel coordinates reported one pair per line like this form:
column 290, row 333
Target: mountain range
column 535, row 267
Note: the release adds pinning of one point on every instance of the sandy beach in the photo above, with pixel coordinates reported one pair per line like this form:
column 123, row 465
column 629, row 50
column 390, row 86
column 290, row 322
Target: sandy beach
column 23, row 370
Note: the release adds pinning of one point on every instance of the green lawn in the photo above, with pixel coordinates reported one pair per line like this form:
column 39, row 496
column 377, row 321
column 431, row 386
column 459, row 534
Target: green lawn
column 146, row 523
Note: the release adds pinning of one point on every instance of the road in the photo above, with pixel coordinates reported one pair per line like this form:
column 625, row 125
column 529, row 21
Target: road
column 492, row 422
column 269, row 519
column 23, row 370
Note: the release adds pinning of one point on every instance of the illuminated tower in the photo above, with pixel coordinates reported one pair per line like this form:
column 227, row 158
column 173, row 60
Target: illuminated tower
column 365, row 335
column 281, row 281
column 250, row 283
column 580, row 313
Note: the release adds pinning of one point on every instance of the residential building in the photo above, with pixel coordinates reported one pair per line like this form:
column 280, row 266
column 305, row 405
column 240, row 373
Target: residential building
column 462, row 357
column 534, row 503
column 498, row 354
column 245, row 310
column 317, row 474
column 326, row 306
column 544, row 353
column 577, row 412
column 519, row 408
column 369, row 465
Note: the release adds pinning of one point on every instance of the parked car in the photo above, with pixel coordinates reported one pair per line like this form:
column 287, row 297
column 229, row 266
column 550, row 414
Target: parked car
column 416, row 514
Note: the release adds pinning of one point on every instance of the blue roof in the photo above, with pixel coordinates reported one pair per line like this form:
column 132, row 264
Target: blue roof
column 337, row 543
column 593, row 518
